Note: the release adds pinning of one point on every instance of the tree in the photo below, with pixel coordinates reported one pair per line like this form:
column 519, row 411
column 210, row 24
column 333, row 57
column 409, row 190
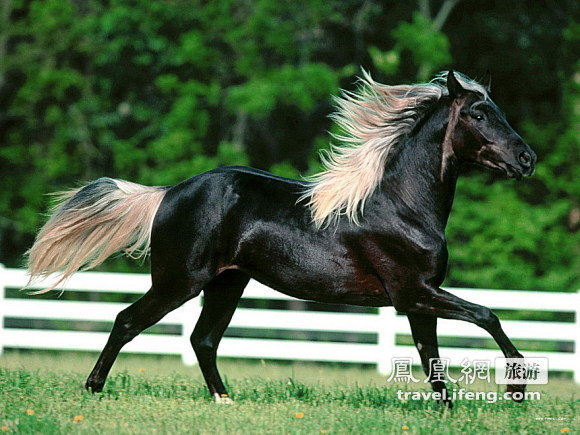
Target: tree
column 155, row 92
column 423, row 38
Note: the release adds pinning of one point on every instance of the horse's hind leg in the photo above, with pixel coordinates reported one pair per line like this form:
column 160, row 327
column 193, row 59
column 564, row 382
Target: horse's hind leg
column 130, row 322
column 424, row 330
column 221, row 298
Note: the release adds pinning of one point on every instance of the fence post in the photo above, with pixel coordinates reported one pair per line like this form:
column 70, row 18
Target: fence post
column 2, row 305
column 386, row 339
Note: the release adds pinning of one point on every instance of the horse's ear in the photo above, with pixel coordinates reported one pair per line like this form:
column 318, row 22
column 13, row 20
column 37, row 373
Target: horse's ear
column 453, row 86
column 486, row 81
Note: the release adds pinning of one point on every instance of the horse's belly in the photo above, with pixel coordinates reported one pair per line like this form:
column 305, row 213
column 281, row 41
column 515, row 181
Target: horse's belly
column 308, row 264
column 366, row 291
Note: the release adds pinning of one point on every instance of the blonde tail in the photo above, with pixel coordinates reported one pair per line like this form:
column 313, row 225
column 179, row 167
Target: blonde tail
column 89, row 224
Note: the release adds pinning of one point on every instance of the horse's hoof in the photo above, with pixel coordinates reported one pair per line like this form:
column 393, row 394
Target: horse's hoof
column 445, row 404
column 94, row 386
column 517, row 392
column 223, row 399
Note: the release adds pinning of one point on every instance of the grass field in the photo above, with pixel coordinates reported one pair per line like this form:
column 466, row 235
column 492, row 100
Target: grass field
column 43, row 394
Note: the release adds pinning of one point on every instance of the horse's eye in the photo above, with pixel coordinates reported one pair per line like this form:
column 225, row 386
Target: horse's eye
column 478, row 117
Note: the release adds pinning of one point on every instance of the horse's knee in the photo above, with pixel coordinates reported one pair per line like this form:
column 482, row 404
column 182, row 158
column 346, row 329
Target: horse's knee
column 202, row 345
column 487, row 319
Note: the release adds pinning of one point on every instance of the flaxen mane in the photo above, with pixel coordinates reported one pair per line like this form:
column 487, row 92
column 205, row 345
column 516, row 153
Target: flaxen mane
column 373, row 121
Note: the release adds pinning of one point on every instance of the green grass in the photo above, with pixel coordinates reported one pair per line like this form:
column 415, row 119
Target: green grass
column 148, row 395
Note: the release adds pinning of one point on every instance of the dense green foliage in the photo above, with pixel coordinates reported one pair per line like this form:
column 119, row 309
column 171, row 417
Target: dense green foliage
column 155, row 92
column 145, row 395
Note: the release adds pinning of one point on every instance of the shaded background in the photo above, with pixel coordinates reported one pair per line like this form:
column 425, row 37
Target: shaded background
column 155, row 92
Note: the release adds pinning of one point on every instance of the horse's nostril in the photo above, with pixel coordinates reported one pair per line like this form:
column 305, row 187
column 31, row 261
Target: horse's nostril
column 525, row 159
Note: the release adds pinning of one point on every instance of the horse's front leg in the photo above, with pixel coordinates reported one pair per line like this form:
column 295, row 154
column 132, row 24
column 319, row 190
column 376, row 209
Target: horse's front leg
column 440, row 303
column 424, row 330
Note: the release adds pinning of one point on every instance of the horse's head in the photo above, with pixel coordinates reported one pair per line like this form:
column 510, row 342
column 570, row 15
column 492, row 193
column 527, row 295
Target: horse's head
column 482, row 134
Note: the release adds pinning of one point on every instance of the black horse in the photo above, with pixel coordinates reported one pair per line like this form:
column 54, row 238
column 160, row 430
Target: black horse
column 368, row 230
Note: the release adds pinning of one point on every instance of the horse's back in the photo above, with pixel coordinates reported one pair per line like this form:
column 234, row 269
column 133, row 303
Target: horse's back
column 215, row 193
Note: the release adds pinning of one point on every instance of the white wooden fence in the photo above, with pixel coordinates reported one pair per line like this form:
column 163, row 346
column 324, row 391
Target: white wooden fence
column 380, row 328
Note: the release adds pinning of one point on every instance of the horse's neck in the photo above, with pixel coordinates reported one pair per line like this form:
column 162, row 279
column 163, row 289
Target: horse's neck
column 422, row 176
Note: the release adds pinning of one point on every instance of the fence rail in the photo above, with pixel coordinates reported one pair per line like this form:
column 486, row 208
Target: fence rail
column 382, row 329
